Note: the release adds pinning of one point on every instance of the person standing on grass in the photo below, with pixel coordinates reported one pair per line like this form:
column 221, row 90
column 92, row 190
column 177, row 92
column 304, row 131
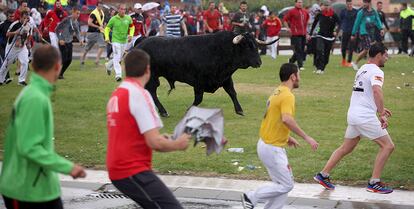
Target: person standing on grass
column 52, row 19
column 276, row 125
column 382, row 18
column 119, row 25
column 369, row 27
column 64, row 32
column 172, row 23
column 406, row 27
column 296, row 21
column 133, row 133
column 367, row 117
column 212, row 19
column 272, row 25
column 95, row 33
column 240, row 20
column 28, row 176
column 328, row 23
column 347, row 18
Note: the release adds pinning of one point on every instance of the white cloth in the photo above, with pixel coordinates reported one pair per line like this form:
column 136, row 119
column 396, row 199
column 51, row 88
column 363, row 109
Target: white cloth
column 130, row 45
column 371, row 130
column 16, row 52
column 142, row 107
column 272, row 49
column 118, row 51
column 276, row 162
column 54, row 40
column 362, row 108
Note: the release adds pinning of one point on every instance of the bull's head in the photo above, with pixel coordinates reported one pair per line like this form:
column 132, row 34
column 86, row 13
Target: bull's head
column 250, row 52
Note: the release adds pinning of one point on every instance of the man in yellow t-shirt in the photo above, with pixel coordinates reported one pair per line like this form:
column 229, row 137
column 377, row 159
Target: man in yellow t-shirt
column 276, row 125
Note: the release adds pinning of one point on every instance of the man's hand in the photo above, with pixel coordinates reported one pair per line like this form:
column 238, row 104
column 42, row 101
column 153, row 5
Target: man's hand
column 210, row 30
column 101, row 29
column 129, row 39
column 292, row 142
column 382, row 32
column 61, row 42
column 384, row 121
column 182, row 141
column 314, row 145
column 77, row 172
column 107, row 41
column 308, row 37
column 353, row 38
column 82, row 43
column 387, row 112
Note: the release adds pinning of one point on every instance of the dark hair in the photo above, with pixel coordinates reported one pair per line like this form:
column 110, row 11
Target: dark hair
column 10, row 12
column 286, row 70
column 404, row 5
column 377, row 48
column 379, row 2
column 45, row 58
column 211, row 2
column 366, row 1
column 271, row 12
column 297, row 1
column 243, row 2
column 75, row 9
column 348, row 1
column 136, row 62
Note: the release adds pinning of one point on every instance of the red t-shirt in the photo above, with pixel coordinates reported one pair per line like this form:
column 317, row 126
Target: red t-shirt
column 212, row 19
column 297, row 20
column 130, row 113
column 272, row 26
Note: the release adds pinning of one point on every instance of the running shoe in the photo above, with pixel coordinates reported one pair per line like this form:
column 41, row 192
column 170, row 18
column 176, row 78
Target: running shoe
column 379, row 187
column 247, row 203
column 325, row 182
column 355, row 66
column 22, row 83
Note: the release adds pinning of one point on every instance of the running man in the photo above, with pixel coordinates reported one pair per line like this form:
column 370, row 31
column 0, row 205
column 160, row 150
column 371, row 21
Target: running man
column 347, row 18
column 328, row 23
column 133, row 134
column 119, row 24
column 274, row 136
column 17, row 37
column 368, row 24
column 366, row 102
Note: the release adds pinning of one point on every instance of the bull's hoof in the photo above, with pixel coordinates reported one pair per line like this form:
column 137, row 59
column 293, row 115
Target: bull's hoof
column 164, row 114
column 240, row 112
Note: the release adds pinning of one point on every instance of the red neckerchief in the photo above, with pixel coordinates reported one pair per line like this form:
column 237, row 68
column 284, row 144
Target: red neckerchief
column 328, row 12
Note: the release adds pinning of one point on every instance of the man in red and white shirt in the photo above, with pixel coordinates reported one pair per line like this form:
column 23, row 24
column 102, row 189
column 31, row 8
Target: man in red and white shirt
column 272, row 25
column 212, row 22
column 52, row 19
column 138, row 21
column 133, row 132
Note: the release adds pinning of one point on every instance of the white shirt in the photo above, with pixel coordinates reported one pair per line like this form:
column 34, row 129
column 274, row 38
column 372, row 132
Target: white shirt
column 362, row 108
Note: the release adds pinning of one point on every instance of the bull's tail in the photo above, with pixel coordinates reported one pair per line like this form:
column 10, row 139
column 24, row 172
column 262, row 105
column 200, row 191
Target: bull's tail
column 172, row 86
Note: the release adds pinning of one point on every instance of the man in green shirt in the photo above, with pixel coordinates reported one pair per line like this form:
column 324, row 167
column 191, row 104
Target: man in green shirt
column 119, row 24
column 29, row 176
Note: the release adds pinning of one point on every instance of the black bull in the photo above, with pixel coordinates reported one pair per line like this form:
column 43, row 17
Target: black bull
column 205, row 62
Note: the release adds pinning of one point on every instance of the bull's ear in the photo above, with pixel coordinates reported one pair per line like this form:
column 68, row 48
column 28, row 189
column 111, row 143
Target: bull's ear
column 237, row 39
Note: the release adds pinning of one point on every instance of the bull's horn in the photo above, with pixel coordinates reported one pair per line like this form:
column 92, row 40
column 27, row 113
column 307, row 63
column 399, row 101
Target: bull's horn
column 237, row 39
column 260, row 42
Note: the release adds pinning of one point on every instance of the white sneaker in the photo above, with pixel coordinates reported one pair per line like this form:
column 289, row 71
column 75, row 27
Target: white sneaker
column 302, row 68
column 319, row 72
column 355, row 66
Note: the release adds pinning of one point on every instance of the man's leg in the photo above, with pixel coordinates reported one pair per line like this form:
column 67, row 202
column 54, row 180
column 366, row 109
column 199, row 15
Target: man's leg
column 386, row 148
column 148, row 191
column 327, row 53
column 16, row 204
column 404, row 41
column 90, row 42
column 276, row 162
column 294, row 43
column 344, row 46
column 347, row 147
column 319, row 54
column 23, row 57
column 118, row 53
column 102, row 45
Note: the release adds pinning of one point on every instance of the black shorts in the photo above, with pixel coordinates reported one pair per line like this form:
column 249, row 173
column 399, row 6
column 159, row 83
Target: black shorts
column 366, row 41
column 148, row 191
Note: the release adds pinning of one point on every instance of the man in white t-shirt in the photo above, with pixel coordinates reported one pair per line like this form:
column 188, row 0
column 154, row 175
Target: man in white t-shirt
column 367, row 117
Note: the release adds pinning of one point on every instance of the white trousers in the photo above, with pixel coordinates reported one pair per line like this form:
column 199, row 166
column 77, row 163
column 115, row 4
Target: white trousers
column 118, row 51
column 272, row 49
column 276, row 162
column 54, row 40
column 15, row 52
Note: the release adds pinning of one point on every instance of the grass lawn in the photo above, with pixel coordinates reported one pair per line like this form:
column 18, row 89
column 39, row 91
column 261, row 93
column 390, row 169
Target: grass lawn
column 321, row 106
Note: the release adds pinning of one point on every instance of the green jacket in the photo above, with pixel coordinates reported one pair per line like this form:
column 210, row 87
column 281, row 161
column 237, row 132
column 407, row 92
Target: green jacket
column 366, row 21
column 119, row 26
column 30, row 162
column 406, row 19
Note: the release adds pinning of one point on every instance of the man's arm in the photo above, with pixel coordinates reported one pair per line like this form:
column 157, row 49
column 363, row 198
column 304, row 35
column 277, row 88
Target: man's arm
column 290, row 122
column 108, row 29
column 184, row 28
column 162, row 143
column 357, row 23
column 383, row 113
column 91, row 24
